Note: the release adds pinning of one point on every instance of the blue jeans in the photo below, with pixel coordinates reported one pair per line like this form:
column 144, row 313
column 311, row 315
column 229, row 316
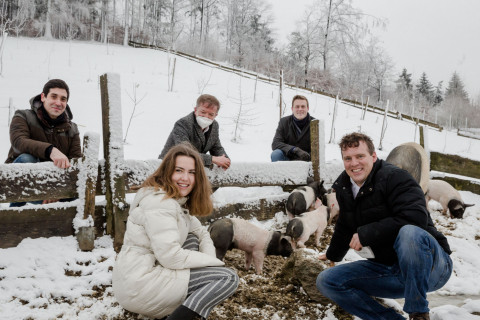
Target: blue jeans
column 423, row 266
column 25, row 158
column 278, row 155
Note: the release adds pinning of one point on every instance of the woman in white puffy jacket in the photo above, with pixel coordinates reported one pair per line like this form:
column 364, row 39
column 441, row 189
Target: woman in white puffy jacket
column 167, row 265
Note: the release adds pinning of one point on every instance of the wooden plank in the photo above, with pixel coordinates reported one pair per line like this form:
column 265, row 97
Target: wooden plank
column 37, row 181
column 35, row 223
column 42, row 222
column 261, row 209
column 460, row 184
column 454, row 164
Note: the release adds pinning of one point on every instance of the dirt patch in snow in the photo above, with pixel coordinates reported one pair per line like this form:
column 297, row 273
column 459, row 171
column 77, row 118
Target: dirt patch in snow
column 267, row 296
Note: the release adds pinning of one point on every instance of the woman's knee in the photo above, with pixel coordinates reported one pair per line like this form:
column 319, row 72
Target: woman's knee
column 233, row 277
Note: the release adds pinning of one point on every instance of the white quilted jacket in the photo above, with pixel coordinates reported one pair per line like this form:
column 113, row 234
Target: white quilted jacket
column 152, row 270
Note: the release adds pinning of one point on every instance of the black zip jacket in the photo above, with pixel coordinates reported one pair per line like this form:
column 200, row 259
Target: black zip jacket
column 389, row 199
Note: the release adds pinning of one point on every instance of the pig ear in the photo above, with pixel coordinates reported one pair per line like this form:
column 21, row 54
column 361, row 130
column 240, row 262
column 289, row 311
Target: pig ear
column 468, row 205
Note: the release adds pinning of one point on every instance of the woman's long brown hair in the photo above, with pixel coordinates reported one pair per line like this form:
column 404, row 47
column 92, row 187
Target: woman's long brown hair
column 199, row 202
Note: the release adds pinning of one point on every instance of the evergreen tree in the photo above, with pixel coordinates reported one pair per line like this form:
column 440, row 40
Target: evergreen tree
column 404, row 83
column 424, row 88
column 456, row 89
column 438, row 94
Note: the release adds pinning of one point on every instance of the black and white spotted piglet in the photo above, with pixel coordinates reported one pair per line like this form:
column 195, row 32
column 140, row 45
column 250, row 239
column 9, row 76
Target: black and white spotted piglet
column 302, row 198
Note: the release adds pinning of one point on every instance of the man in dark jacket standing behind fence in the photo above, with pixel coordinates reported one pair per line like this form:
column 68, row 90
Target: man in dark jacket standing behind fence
column 45, row 132
column 383, row 216
column 292, row 138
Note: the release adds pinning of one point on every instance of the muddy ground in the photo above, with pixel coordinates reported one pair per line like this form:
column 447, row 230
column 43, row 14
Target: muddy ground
column 268, row 296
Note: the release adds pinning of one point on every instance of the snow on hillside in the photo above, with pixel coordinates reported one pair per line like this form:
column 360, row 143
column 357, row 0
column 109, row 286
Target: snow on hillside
column 34, row 277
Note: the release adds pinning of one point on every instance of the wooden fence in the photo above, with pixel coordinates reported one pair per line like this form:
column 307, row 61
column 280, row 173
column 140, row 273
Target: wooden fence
column 253, row 75
column 114, row 177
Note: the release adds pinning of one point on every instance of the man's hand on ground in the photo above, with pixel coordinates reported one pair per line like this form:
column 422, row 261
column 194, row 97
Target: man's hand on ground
column 222, row 161
column 59, row 159
column 323, row 256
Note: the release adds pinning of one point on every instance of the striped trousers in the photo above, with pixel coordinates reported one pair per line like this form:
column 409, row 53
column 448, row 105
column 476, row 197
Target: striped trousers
column 208, row 286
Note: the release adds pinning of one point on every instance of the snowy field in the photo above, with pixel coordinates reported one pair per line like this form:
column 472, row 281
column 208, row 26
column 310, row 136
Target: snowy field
column 39, row 279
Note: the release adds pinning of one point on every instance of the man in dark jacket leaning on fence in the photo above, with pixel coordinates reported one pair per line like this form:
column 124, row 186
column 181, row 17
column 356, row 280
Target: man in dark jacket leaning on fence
column 292, row 138
column 45, row 132
column 202, row 131
column 383, row 216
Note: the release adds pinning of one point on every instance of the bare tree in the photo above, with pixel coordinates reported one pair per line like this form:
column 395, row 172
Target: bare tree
column 341, row 26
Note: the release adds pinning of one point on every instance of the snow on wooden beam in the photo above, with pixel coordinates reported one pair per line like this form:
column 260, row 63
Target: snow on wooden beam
column 37, row 181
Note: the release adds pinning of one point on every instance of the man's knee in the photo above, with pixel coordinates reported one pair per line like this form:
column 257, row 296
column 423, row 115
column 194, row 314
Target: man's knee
column 323, row 282
column 277, row 155
column 409, row 234
column 26, row 158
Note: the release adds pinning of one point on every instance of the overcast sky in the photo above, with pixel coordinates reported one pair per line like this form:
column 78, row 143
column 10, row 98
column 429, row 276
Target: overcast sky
column 433, row 36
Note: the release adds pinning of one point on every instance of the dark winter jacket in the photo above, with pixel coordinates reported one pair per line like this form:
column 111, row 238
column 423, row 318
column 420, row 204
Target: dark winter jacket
column 187, row 129
column 389, row 199
column 287, row 136
column 31, row 133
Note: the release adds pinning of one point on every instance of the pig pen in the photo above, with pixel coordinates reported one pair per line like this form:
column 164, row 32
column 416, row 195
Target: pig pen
column 268, row 296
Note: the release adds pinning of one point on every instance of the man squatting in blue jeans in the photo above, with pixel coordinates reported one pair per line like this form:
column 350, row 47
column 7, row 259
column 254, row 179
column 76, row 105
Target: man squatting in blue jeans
column 382, row 207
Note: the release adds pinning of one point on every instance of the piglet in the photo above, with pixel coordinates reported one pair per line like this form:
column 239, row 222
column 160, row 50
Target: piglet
column 441, row 191
column 308, row 223
column 257, row 243
column 302, row 198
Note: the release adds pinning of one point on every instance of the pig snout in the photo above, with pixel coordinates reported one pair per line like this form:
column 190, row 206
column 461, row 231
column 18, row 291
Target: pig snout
column 457, row 208
column 279, row 245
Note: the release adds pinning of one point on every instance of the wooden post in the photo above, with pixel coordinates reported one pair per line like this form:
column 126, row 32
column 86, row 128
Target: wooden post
column 173, row 73
column 332, row 130
column 384, row 126
column 116, row 207
column 321, row 147
column 315, row 151
column 255, row 89
column 10, row 111
column 422, row 141
column 88, row 171
column 364, row 111
column 280, row 92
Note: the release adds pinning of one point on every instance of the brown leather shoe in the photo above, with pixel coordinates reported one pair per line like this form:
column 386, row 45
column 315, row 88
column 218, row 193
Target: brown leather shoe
column 419, row 316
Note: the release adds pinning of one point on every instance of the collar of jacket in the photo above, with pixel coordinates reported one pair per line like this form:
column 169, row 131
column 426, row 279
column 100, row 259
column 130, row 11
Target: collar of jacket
column 343, row 181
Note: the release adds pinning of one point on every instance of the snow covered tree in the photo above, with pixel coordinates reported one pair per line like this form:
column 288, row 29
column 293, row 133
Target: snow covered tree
column 424, row 89
column 438, row 94
column 456, row 89
column 404, row 84
column 303, row 47
column 456, row 105
column 340, row 26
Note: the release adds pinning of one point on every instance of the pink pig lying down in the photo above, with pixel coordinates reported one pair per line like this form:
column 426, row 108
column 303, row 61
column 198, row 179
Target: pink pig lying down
column 441, row 191
column 257, row 243
column 312, row 222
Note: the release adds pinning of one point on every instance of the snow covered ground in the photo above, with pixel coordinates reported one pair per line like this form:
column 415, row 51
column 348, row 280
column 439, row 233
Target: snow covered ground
column 40, row 278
